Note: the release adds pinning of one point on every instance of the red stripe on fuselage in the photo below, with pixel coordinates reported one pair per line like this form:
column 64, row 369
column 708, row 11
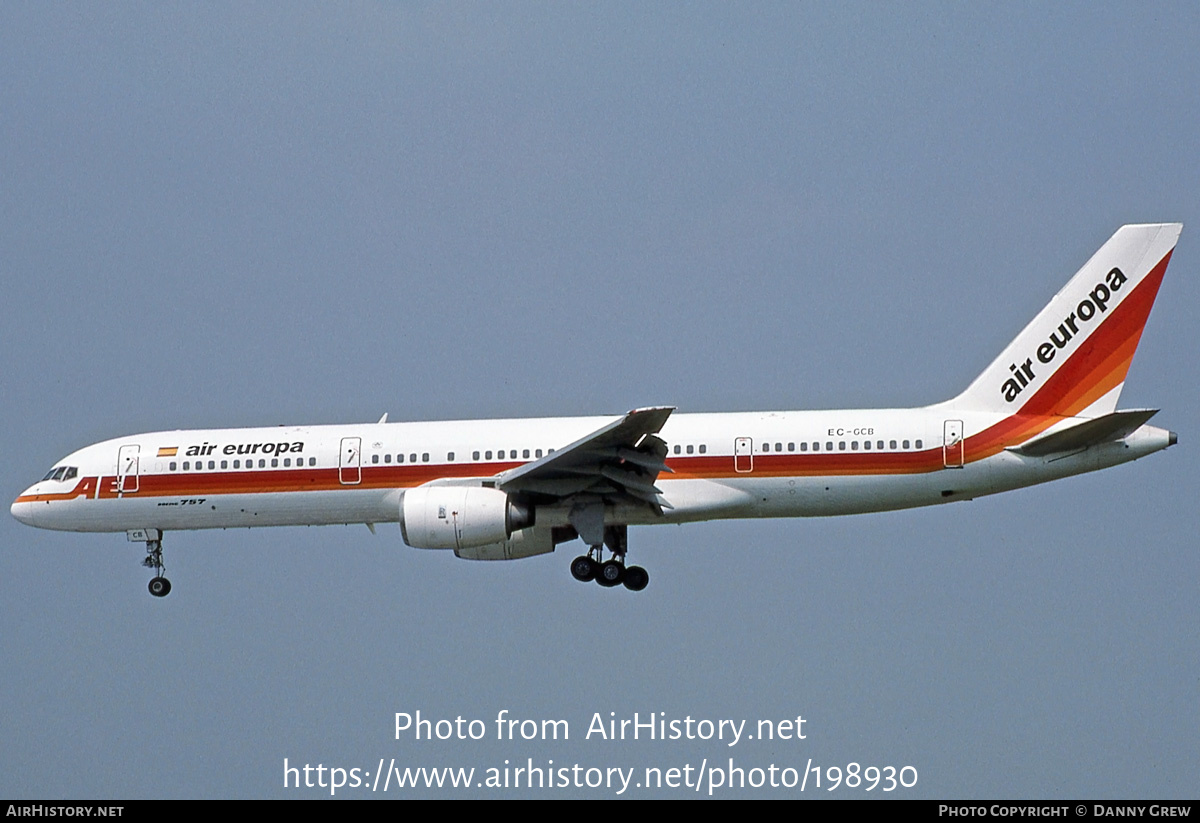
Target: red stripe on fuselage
column 198, row 484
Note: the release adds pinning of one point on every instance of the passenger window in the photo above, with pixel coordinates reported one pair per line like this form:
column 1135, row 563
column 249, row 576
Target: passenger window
column 212, row 464
column 690, row 449
column 816, row 447
column 678, row 449
column 224, row 464
column 854, row 445
column 538, row 453
column 791, row 447
column 474, row 455
column 374, row 458
column 287, row 462
column 778, row 447
column 905, row 444
column 766, row 447
column 803, row 447
column 918, row 444
column 387, row 458
column 892, row 445
column 703, row 448
column 185, row 465
column 412, row 458
column 312, row 461
column 172, row 465
column 879, row 444
column 399, row 458
column 450, row 457
column 262, row 464
column 274, row 462
column 425, row 457
column 488, row 454
column 525, row 453
column 866, row 444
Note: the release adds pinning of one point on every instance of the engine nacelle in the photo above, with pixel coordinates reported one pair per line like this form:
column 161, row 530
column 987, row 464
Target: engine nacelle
column 459, row 517
column 523, row 543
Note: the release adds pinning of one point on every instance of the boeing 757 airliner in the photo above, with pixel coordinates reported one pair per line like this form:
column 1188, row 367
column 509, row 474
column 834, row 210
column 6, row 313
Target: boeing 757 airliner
column 504, row 489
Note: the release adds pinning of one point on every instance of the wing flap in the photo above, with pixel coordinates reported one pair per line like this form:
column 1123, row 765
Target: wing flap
column 622, row 459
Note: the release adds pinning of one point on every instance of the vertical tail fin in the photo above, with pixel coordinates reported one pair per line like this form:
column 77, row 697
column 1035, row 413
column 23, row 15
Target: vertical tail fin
column 1071, row 360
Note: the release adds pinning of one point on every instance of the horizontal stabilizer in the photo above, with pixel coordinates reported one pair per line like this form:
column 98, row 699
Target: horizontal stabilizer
column 1113, row 426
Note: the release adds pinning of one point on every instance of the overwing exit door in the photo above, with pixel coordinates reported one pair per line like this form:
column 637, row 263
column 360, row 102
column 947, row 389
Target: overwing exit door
column 743, row 455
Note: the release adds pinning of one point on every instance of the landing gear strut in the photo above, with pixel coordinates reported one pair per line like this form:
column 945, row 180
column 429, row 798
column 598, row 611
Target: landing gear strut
column 159, row 585
column 612, row 572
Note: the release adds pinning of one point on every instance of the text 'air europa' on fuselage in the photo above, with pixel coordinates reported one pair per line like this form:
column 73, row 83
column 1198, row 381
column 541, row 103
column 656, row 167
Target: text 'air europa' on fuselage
column 205, row 449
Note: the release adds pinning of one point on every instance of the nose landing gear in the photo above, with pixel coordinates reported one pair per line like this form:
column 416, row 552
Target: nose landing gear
column 159, row 585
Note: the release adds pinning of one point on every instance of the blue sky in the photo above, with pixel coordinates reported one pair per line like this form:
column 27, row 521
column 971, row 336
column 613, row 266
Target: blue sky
column 233, row 215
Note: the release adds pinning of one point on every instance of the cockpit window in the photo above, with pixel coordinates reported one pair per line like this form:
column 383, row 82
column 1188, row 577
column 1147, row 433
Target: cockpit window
column 61, row 473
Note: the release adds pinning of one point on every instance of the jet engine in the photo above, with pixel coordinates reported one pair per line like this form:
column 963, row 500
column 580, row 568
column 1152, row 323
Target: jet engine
column 460, row 517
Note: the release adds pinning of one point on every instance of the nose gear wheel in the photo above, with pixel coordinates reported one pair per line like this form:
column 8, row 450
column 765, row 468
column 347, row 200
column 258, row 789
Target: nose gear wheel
column 159, row 586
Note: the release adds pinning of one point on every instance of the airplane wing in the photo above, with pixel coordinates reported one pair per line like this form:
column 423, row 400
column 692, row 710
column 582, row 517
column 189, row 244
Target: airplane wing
column 620, row 460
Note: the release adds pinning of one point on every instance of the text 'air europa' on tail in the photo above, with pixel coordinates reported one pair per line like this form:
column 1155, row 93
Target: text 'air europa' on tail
column 1071, row 360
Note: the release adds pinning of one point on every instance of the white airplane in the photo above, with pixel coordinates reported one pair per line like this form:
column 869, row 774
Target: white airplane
column 503, row 489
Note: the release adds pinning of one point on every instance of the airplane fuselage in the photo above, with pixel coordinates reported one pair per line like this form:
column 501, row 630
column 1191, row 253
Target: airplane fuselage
column 732, row 465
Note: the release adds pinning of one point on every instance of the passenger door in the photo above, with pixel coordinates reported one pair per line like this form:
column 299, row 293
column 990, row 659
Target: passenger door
column 127, row 469
column 350, row 461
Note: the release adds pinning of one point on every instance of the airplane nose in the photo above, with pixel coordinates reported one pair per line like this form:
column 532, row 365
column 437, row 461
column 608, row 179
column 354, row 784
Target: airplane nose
column 23, row 510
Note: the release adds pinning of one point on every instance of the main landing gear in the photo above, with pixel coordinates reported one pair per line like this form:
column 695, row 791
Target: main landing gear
column 159, row 585
column 612, row 572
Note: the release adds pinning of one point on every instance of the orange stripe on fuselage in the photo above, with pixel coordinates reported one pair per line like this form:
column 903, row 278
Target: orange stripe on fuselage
column 192, row 484
column 812, row 464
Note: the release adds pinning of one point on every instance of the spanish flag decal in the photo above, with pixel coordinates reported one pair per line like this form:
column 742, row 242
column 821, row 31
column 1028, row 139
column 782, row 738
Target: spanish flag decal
column 167, row 451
